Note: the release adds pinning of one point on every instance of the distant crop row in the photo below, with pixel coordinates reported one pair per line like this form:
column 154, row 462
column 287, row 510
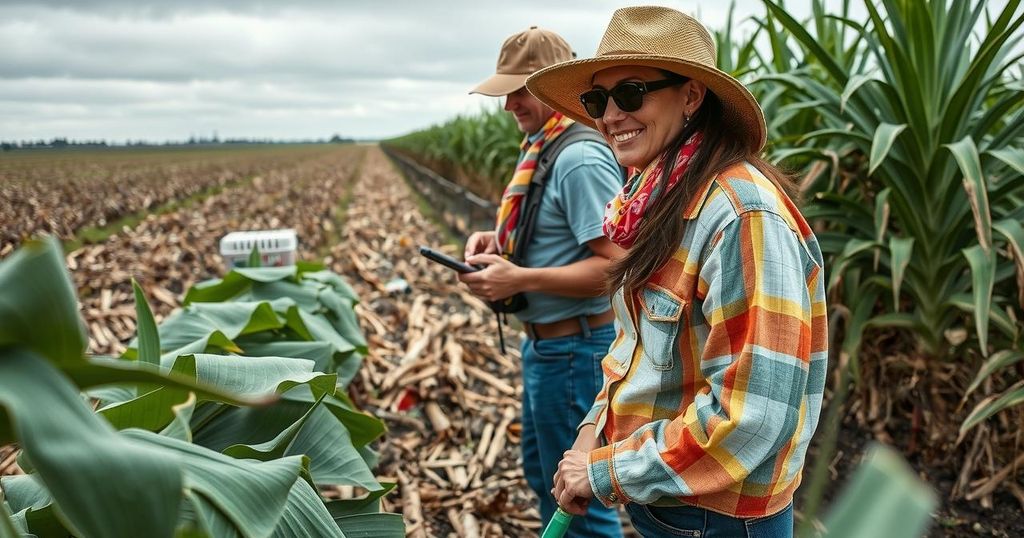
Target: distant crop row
column 61, row 192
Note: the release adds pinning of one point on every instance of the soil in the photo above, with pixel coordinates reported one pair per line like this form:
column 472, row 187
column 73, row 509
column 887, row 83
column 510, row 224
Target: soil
column 953, row 518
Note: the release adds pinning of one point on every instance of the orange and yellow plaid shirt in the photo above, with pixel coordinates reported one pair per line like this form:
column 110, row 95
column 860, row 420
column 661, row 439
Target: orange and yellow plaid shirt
column 713, row 386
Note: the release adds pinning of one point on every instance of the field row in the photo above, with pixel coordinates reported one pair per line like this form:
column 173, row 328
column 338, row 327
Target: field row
column 168, row 253
column 60, row 193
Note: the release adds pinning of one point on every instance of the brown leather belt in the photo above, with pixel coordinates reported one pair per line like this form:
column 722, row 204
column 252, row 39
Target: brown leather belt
column 567, row 327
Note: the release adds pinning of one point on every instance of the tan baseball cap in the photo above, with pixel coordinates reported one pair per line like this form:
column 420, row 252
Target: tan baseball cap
column 521, row 55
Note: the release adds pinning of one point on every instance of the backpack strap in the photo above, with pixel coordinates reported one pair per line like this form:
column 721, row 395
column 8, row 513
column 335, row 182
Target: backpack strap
column 576, row 132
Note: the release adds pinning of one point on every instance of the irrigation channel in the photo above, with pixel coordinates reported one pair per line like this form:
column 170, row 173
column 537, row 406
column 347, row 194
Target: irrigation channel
column 434, row 373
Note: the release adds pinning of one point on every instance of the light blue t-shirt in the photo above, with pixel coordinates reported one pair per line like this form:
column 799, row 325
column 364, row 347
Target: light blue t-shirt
column 582, row 181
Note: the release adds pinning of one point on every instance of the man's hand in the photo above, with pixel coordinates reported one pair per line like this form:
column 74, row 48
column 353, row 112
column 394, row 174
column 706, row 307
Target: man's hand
column 481, row 243
column 572, row 485
column 499, row 280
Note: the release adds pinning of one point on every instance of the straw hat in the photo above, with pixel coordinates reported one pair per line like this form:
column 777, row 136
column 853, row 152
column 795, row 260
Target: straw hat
column 656, row 37
column 521, row 55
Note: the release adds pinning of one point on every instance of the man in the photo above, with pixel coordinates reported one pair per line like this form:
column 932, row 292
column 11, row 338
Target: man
column 563, row 259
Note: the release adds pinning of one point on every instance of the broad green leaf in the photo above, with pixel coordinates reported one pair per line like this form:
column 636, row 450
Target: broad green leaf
column 1013, row 396
column 322, row 354
column 335, row 281
column 259, row 376
column 8, row 528
column 321, row 329
column 966, row 155
column 102, row 371
column 983, row 274
column 203, row 520
column 885, row 135
column 372, row 526
column 274, row 448
column 25, row 491
column 996, row 362
column 149, row 339
column 199, row 320
column 32, row 506
column 370, row 504
column 39, row 522
column 296, row 428
column 333, row 457
column 884, row 498
column 252, row 495
column 236, row 282
column 306, row 515
column 246, row 377
column 900, row 250
column 102, row 483
column 152, row 411
column 38, row 307
column 215, row 342
column 179, row 428
column 362, row 427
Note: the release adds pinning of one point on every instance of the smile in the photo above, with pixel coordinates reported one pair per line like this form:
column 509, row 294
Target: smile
column 622, row 137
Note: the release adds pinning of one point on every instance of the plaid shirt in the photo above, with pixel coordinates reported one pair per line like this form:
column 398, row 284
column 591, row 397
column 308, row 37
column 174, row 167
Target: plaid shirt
column 713, row 386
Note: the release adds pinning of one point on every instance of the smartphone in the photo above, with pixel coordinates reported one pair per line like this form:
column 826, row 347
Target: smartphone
column 447, row 260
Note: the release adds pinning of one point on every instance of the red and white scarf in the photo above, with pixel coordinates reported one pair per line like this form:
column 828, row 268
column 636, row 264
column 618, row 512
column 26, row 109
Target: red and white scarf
column 624, row 214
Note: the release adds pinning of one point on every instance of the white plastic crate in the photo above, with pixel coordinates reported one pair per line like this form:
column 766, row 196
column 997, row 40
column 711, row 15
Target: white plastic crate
column 277, row 247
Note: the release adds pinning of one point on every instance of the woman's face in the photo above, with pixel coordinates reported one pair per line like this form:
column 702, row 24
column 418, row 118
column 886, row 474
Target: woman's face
column 638, row 137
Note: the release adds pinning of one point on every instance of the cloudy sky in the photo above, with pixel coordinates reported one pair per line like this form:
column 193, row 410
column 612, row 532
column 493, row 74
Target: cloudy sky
column 159, row 70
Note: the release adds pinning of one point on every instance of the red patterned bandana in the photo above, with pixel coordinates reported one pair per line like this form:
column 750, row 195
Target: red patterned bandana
column 625, row 213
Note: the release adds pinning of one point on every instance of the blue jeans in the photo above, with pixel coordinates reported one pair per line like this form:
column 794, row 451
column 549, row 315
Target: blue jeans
column 696, row 522
column 561, row 378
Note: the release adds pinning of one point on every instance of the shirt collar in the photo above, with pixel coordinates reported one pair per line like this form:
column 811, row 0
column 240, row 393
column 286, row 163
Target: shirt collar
column 697, row 203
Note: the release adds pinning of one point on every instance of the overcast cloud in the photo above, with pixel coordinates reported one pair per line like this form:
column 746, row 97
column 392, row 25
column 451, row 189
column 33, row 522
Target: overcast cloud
column 159, row 70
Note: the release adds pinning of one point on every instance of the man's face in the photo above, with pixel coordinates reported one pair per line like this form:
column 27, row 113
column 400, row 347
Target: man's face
column 530, row 113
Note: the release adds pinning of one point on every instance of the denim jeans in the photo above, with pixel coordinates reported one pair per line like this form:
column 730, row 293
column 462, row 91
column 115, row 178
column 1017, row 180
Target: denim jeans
column 561, row 378
column 696, row 522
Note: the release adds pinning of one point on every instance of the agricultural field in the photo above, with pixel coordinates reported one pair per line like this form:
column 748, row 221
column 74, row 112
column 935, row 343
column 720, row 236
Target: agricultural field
column 431, row 369
column 66, row 192
column 384, row 407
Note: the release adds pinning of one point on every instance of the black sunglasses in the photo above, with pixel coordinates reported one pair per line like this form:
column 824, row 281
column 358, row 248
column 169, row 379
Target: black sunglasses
column 628, row 96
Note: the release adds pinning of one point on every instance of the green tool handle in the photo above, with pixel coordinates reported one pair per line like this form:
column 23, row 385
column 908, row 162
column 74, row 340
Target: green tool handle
column 558, row 525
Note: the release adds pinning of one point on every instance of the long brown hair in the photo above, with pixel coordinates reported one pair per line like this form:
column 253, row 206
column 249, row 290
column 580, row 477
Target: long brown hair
column 663, row 226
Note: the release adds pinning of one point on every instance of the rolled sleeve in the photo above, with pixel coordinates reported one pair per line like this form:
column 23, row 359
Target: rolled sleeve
column 601, row 472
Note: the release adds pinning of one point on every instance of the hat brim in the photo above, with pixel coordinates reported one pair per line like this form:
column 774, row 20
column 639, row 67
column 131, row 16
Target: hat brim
column 501, row 84
column 559, row 86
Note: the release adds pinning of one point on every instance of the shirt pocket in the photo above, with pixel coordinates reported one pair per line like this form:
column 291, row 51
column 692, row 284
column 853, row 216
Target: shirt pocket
column 659, row 325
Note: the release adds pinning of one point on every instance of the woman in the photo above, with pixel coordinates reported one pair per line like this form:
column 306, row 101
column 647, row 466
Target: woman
column 713, row 386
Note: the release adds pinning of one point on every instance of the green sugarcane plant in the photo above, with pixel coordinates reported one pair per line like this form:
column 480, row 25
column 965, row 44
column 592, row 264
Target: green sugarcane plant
column 929, row 227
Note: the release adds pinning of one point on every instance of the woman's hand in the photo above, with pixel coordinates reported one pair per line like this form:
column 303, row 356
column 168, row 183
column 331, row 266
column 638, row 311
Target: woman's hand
column 499, row 280
column 572, row 484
